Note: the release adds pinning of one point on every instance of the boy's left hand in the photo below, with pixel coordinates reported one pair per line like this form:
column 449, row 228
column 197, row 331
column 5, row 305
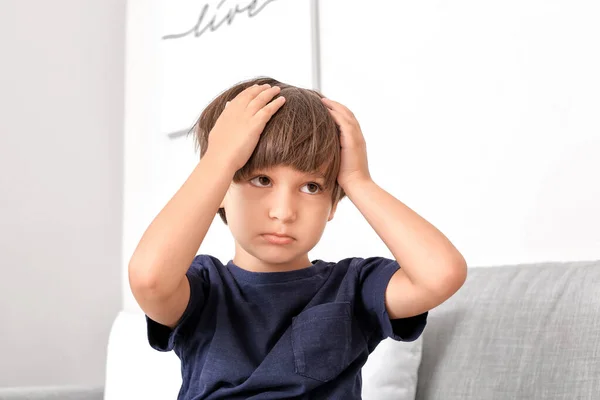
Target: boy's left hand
column 354, row 165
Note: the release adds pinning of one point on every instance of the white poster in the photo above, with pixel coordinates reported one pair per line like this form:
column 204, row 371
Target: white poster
column 207, row 46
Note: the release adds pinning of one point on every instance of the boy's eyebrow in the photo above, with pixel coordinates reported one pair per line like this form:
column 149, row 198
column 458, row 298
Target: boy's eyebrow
column 318, row 174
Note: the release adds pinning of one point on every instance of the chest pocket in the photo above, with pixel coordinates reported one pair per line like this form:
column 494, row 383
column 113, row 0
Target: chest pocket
column 321, row 340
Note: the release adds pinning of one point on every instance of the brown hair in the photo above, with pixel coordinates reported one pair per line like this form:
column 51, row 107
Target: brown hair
column 301, row 134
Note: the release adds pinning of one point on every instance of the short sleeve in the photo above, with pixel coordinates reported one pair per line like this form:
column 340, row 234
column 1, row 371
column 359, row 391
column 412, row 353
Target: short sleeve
column 163, row 338
column 374, row 274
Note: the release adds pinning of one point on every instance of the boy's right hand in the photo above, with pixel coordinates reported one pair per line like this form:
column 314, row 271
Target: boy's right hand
column 237, row 130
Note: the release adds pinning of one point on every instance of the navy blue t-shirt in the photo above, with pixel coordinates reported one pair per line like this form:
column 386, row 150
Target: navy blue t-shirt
column 302, row 334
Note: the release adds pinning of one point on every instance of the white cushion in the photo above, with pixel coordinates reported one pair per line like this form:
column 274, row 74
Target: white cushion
column 134, row 370
column 391, row 371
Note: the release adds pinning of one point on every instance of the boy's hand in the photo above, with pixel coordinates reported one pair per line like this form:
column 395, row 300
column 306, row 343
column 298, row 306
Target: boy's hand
column 354, row 165
column 237, row 130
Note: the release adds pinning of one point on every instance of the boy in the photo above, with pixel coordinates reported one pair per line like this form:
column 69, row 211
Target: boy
column 270, row 324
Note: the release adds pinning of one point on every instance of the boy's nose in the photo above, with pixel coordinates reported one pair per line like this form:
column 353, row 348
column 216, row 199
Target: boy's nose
column 283, row 208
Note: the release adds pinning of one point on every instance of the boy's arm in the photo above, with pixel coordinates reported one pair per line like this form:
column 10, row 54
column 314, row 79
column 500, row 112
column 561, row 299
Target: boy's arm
column 432, row 269
column 158, row 266
column 157, row 269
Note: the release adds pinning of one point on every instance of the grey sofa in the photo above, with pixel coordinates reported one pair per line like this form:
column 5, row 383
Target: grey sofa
column 52, row 393
column 528, row 331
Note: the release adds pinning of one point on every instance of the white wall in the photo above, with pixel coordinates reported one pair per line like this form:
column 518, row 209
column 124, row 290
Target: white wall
column 61, row 177
column 481, row 117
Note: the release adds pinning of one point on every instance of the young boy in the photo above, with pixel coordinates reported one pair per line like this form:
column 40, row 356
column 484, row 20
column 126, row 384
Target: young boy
column 270, row 324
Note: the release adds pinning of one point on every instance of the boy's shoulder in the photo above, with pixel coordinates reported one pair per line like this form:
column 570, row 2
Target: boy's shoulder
column 209, row 267
column 207, row 261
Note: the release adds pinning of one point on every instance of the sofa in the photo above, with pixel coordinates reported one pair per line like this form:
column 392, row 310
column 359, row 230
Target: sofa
column 529, row 331
column 512, row 332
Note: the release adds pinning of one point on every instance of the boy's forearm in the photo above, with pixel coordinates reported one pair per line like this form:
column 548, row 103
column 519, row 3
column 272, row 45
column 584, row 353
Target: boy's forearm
column 427, row 257
column 171, row 242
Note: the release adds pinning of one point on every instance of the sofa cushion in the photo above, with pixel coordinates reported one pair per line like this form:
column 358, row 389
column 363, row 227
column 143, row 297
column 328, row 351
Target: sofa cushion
column 391, row 370
column 529, row 331
column 134, row 370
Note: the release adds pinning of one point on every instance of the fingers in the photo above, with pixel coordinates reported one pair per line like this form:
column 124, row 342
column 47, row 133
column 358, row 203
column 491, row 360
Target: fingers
column 255, row 97
column 331, row 104
column 265, row 113
column 337, row 116
column 262, row 99
column 339, row 112
column 257, row 101
column 334, row 105
column 251, row 92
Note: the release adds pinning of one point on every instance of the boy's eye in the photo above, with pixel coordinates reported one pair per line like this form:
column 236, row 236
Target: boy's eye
column 263, row 181
column 313, row 188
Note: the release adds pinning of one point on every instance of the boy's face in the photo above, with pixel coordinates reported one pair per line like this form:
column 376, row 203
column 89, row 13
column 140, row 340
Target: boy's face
column 279, row 200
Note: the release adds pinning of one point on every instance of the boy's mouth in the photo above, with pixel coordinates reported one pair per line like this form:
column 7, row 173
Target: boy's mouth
column 277, row 238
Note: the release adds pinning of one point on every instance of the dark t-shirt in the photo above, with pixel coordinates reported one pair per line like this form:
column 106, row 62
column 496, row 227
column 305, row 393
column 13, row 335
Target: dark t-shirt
column 302, row 334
